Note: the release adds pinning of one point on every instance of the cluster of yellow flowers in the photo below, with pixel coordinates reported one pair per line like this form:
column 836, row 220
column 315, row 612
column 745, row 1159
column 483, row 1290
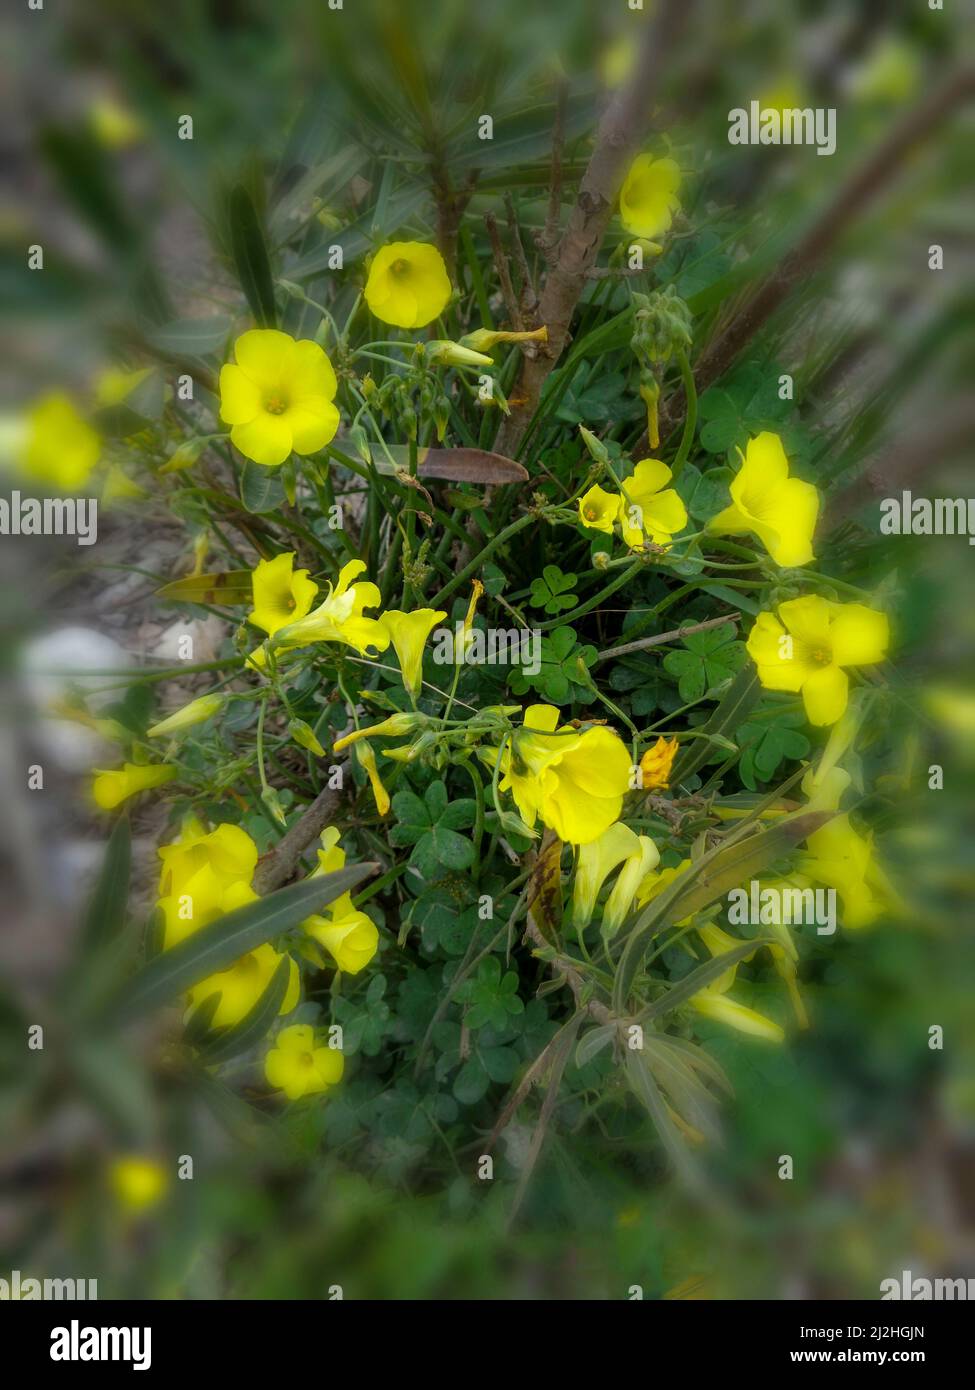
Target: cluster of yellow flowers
column 208, row 873
column 644, row 507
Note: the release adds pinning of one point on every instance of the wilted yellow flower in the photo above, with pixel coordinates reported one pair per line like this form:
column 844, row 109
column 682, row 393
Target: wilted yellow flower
column 281, row 593
column 646, row 509
column 838, row 857
column 367, row 758
column 137, row 1182
column 408, row 633
column 241, row 985
column 115, row 385
column 648, row 200
column 484, row 339
column 713, row 1001
column 110, row 789
column 822, row 638
column 618, row 845
column 572, row 779
column 194, row 713
column 599, row 509
column 781, row 511
column 656, row 763
column 299, row 1066
column 340, row 618
column 60, row 447
column 408, row 284
column 393, row 727
column 278, row 397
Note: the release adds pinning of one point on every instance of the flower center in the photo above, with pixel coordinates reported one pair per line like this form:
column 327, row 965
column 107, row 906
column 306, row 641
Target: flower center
column 400, row 268
column 247, row 966
column 306, row 1060
column 275, row 404
column 820, row 657
column 592, row 514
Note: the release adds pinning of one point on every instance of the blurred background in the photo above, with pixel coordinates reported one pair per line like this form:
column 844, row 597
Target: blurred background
column 327, row 115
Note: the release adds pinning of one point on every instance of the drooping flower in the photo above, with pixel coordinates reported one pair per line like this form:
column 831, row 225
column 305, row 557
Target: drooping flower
column 714, row 1002
column 340, row 618
column 350, row 937
column 110, row 789
column 282, row 594
column 408, row 633
column 194, row 713
column 596, row 862
column 838, row 857
column 446, row 353
column 656, row 764
column 278, row 396
column 573, row 780
column 59, row 446
column 393, row 727
column 367, row 759
column 623, row 893
column 137, row 1182
column 648, row 199
column 599, row 509
column 299, row 1066
column 407, row 284
column 646, row 509
column 241, row 985
column 819, row 638
column 779, row 510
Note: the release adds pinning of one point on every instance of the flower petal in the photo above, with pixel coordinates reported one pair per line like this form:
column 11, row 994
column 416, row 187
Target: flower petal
column 824, row 694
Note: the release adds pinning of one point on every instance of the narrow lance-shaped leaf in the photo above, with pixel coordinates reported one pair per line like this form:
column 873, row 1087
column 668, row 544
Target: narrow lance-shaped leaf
column 255, row 1024
column 229, row 587
column 251, row 258
column 217, row 946
column 105, row 915
column 733, row 709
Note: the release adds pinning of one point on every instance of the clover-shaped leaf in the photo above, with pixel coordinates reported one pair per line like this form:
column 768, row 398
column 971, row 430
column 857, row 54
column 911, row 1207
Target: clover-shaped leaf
column 563, row 666
column 491, row 996
column 430, row 824
column 708, row 659
column 766, row 744
column 553, row 591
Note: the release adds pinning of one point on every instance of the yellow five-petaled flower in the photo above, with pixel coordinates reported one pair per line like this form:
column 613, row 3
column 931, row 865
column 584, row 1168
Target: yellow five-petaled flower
column 278, row 396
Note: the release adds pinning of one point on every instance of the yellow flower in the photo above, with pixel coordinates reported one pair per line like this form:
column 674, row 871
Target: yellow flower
column 340, row 618
column 117, row 486
column 408, row 633
column 598, row 509
column 193, row 713
column 781, row 511
column 351, row 940
column 60, row 447
column 241, row 985
column 646, row 510
column 137, row 1182
column 484, row 339
column 408, row 284
column 393, row 727
column 713, row 1000
column 110, row 789
column 350, row 937
column 115, row 385
column 367, row 759
column 112, row 124
column 278, row 397
column 648, row 200
column 822, row 639
column 299, row 1067
column 840, row 858
column 656, row 764
column 596, row 862
column 571, row 779
column 205, row 875
column 281, row 593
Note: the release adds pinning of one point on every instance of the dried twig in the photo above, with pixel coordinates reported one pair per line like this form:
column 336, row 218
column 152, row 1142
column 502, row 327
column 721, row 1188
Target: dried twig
column 662, row 637
column 277, row 866
column 548, row 239
column 504, row 272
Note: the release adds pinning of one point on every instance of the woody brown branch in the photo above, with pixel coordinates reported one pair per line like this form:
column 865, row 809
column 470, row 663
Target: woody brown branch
column 854, row 196
column 620, row 134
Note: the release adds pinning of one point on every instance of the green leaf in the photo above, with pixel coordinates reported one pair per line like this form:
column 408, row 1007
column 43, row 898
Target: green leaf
column 593, row 1042
column 734, row 707
column 217, row 946
column 261, row 489
column 249, row 250
column 191, row 337
column 105, row 916
column 698, row 979
column 230, row 587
